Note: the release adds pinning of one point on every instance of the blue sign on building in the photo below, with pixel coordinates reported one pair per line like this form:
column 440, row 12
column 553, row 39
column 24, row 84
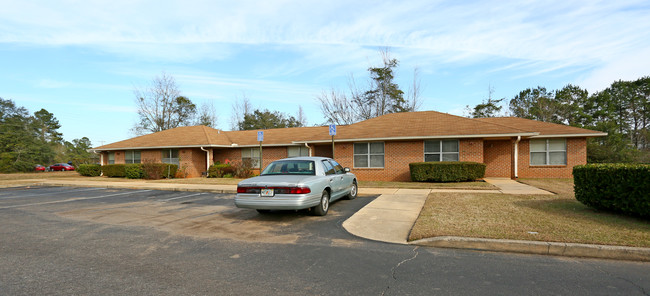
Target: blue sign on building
column 260, row 136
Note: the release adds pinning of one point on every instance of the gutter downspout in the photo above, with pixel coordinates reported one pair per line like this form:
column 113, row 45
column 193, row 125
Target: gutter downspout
column 207, row 160
column 517, row 156
column 307, row 145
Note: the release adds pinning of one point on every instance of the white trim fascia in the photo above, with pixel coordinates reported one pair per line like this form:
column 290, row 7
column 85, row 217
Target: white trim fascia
column 194, row 146
column 570, row 135
column 420, row 138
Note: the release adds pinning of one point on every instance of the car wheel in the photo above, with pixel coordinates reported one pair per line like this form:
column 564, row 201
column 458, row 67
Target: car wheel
column 263, row 211
column 324, row 205
column 353, row 192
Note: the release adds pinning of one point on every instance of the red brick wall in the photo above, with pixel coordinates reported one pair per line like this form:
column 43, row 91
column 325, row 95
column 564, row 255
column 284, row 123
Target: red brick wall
column 150, row 156
column 192, row 162
column 497, row 156
column 471, row 150
column 397, row 156
column 576, row 155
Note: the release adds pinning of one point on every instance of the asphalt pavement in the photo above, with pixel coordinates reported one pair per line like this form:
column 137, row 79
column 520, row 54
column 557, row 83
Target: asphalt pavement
column 111, row 241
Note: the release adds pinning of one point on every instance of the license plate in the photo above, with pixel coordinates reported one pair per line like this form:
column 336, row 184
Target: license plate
column 266, row 192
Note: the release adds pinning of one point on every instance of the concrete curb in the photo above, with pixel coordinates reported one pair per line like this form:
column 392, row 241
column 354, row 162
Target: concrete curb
column 537, row 247
column 139, row 187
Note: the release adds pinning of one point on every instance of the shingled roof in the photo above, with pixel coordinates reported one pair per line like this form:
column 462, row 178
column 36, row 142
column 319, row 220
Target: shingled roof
column 395, row 126
column 543, row 128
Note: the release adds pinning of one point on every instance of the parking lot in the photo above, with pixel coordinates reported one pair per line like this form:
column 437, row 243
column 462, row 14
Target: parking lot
column 193, row 214
column 89, row 241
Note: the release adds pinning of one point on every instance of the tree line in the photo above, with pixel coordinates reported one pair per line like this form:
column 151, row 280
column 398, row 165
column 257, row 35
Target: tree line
column 622, row 110
column 30, row 139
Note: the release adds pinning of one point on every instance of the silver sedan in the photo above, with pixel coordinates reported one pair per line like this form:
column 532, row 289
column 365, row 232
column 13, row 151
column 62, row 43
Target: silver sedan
column 297, row 183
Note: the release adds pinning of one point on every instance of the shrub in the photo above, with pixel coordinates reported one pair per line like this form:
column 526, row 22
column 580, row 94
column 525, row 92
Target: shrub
column 155, row 171
column 623, row 188
column 114, row 170
column 89, row 170
column 446, row 171
column 243, row 169
column 221, row 170
column 134, row 171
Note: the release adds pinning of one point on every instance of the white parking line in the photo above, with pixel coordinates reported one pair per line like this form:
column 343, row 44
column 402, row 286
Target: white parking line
column 50, row 193
column 173, row 198
column 71, row 199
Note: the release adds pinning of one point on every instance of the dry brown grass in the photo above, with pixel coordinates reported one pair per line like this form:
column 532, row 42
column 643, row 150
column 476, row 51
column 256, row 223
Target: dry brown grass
column 558, row 218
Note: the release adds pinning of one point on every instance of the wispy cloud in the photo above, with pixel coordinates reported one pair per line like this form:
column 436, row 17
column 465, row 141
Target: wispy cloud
column 339, row 35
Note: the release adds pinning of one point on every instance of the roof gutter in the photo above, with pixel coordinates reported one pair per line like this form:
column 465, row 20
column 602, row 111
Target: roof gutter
column 571, row 135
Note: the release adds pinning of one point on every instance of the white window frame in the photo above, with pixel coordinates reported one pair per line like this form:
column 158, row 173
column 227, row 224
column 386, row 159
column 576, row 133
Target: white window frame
column 169, row 158
column 440, row 152
column 302, row 151
column 249, row 153
column 548, row 152
column 129, row 156
column 383, row 155
column 111, row 158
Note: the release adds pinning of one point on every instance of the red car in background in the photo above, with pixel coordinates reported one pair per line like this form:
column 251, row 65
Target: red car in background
column 39, row 168
column 61, row 167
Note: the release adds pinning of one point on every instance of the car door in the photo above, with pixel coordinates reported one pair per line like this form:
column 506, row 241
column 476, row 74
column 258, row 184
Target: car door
column 334, row 179
column 345, row 179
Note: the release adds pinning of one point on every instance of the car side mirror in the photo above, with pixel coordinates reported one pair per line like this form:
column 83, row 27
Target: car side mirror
column 347, row 170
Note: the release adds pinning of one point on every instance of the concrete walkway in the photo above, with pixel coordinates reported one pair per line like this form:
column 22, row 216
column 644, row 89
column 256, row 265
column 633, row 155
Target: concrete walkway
column 509, row 186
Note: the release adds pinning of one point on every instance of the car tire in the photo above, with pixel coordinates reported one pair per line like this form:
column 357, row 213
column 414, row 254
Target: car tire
column 354, row 191
column 263, row 211
column 323, row 206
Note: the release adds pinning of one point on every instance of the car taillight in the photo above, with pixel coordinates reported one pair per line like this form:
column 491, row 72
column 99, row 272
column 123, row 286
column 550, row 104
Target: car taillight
column 278, row 190
column 248, row 189
column 292, row 190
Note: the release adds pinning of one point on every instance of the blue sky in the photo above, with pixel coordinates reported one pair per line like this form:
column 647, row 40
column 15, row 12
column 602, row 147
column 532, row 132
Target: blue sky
column 81, row 60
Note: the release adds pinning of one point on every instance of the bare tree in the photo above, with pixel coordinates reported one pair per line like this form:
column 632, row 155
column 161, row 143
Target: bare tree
column 301, row 117
column 207, row 115
column 240, row 108
column 413, row 96
column 383, row 96
column 337, row 108
column 161, row 106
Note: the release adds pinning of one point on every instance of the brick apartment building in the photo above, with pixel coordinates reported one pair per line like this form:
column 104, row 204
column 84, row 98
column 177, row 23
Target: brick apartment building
column 377, row 149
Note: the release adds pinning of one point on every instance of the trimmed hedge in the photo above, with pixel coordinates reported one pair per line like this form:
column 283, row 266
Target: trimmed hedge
column 446, row 171
column 158, row 170
column 623, row 188
column 220, row 170
column 133, row 171
column 89, row 170
column 140, row 170
column 114, row 170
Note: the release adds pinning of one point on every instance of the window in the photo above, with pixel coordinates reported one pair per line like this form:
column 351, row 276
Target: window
column 111, row 157
column 252, row 155
column 337, row 167
column 290, row 167
column 441, row 150
column 329, row 169
column 548, row 152
column 369, row 155
column 170, row 156
column 296, row 151
column 132, row 156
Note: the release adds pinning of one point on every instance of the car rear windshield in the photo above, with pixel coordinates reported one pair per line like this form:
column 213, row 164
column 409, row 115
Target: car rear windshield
column 290, row 167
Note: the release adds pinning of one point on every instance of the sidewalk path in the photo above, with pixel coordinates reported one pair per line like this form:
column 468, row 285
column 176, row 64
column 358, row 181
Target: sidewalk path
column 509, row 186
column 389, row 217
